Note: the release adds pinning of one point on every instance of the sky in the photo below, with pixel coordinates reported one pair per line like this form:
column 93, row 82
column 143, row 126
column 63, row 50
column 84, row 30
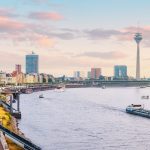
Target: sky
column 71, row 35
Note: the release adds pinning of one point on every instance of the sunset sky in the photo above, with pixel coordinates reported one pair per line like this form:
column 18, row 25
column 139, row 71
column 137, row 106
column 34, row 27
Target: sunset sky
column 71, row 35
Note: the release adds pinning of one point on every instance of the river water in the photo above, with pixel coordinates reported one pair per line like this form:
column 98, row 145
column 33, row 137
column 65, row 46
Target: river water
column 86, row 119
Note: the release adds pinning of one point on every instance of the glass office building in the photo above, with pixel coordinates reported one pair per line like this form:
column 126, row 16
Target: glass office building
column 120, row 71
column 32, row 63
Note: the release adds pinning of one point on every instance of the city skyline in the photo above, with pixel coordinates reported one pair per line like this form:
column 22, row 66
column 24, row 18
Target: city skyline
column 67, row 40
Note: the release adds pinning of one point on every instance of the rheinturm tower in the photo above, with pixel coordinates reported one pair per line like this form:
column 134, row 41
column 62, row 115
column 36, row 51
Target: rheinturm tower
column 138, row 38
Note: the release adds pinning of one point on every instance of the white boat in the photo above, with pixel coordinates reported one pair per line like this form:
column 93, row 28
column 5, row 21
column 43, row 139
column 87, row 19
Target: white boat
column 133, row 107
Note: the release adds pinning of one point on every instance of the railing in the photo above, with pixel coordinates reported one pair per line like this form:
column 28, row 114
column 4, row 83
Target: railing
column 28, row 145
column 7, row 105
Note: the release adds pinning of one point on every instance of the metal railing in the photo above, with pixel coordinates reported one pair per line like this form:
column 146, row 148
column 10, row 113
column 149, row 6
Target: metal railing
column 28, row 145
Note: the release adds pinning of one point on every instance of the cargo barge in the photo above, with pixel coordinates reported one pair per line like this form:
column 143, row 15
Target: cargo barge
column 138, row 110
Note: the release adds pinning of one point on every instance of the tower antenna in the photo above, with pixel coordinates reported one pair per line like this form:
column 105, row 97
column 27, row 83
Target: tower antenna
column 138, row 26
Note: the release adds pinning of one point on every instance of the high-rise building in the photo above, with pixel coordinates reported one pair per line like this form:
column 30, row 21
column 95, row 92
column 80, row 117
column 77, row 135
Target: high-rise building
column 120, row 72
column 138, row 38
column 18, row 68
column 95, row 73
column 32, row 63
column 79, row 74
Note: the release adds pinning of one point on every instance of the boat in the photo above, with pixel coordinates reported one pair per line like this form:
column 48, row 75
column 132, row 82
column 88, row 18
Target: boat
column 103, row 87
column 41, row 96
column 60, row 89
column 142, row 86
column 14, row 101
column 137, row 109
column 27, row 91
column 145, row 97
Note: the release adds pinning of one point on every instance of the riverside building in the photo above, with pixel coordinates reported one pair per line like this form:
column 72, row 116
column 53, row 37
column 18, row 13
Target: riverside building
column 95, row 73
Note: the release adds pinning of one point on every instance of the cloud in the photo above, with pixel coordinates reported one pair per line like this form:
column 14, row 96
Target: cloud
column 7, row 24
column 66, row 62
column 46, row 16
column 63, row 36
column 45, row 41
column 128, row 34
column 104, row 55
column 96, row 34
column 43, row 34
column 7, row 12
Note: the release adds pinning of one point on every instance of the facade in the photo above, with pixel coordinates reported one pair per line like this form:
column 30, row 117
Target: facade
column 31, row 78
column 76, row 74
column 9, row 78
column 40, row 78
column 95, row 73
column 89, row 74
column 18, row 68
column 17, row 78
column 32, row 63
column 3, row 79
column 120, row 72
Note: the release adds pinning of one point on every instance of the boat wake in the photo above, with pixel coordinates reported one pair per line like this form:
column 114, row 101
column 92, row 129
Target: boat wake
column 112, row 108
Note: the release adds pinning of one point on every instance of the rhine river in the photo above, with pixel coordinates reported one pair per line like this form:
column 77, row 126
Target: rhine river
column 86, row 119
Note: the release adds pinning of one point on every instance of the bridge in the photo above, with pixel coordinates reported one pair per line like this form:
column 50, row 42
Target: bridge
column 99, row 83
column 26, row 144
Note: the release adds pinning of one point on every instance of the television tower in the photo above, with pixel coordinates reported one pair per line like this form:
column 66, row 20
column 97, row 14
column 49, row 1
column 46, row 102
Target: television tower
column 138, row 38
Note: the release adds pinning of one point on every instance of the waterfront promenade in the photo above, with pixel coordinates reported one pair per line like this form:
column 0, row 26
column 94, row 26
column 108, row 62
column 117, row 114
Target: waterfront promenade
column 25, row 88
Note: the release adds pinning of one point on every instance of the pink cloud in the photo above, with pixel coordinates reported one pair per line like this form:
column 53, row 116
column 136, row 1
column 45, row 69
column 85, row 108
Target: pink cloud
column 44, row 41
column 8, row 24
column 46, row 16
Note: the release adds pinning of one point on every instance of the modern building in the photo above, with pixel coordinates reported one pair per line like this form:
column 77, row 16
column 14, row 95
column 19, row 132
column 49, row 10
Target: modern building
column 18, row 68
column 32, row 63
column 76, row 74
column 138, row 38
column 3, row 79
column 89, row 74
column 79, row 74
column 95, row 73
column 120, row 72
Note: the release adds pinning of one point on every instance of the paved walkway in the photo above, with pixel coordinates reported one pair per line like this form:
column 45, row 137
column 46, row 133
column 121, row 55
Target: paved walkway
column 1, row 148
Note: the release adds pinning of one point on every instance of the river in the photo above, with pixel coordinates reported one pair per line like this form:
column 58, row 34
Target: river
column 86, row 119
